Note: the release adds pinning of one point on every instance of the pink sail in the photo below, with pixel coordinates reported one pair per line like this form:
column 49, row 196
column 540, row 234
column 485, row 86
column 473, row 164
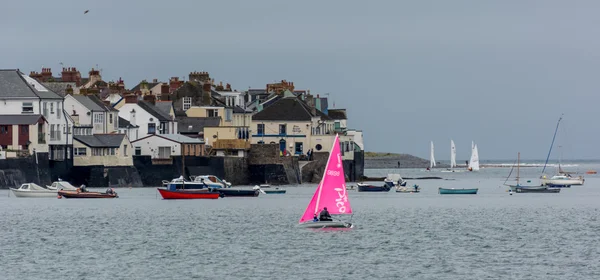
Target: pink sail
column 331, row 192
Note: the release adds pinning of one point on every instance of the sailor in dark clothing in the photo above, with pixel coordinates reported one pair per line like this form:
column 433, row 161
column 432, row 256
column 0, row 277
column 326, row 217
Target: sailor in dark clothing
column 315, row 218
column 324, row 215
column 83, row 188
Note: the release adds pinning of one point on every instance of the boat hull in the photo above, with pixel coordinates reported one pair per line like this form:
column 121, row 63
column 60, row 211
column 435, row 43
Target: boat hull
column 75, row 194
column 537, row 190
column 229, row 192
column 326, row 224
column 34, row 193
column 563, row 182
column 457, row 191
column 276, row 191
column 371, row 188
column 194, row 194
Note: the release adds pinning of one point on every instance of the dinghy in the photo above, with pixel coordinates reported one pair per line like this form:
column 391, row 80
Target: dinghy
column 330, row 194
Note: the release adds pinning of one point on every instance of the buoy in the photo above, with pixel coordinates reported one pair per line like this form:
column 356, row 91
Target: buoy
column 59, row 196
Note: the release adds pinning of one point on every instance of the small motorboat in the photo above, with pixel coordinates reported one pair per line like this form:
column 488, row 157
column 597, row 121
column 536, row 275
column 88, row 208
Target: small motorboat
column 457, row 191
column 62, row 185
column 371, row 188
column 403, row 189
column 267, row 189
column 33, row 190
column 229, row 192
column 540, row 189
column 189, row 194
column 82, row 193
column 196, row 182
column 591, row 172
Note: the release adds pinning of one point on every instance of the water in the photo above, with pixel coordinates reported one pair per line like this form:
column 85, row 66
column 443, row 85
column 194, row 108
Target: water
column 397, row 236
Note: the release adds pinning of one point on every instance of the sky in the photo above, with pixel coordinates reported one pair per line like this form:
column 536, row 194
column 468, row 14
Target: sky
column 499, row 73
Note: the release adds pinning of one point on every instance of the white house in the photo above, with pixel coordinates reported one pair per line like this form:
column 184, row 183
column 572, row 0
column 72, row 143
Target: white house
column 148, row 117
column 125, row 127
column 23, row 95
column 233, row 98
column 102, row 149
column 91, row 111
column 163, row 146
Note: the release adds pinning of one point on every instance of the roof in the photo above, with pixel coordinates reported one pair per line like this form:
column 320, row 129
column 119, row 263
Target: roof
column 101, row 103
column 164, row 107
column 60, row 88
column 288, row 109
column 196, row 125
column 238, row 110
column 123, row 123
column 175, row 138
column 19, row 119
column 139, row 86
column 14, row 84
column 88, row 103
column 101, row 140
column 154, row 111
column 257, row 91
column 337, row 114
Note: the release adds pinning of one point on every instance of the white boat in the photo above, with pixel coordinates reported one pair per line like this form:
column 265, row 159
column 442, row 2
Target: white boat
column 431, row 158
column 394, row 180
column 61, row 185
column 196, row 182
column 34, row 190
column 330, row 195
column 474, row 162
column 561, row 178
column 452, row 158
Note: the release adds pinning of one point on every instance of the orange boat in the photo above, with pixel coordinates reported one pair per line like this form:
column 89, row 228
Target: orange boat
column 591, row 172
column 188, row 194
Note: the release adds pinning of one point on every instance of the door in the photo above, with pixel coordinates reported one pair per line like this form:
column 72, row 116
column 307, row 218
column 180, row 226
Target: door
column 282, row 146
column 298, row 150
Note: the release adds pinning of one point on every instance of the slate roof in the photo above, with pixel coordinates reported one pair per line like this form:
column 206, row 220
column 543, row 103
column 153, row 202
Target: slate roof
column 14, row 84
column 238, row 110
column 19, row 119
column 60, row 88
column 123, row 123
column 197, row 124
column 288, row 109
column 101, row 104
column 152, row 110
column 101, row 140
column 176, row 138
column 139, row 86
column 164, row 107
column 337, row 114
column 88, row 103
column 257, row 91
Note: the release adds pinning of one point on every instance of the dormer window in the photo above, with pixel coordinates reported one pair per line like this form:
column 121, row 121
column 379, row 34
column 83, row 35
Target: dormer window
column 27, row 108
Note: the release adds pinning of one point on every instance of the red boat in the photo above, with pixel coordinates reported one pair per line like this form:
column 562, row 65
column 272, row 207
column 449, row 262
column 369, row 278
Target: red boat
column 79, row 194
column 188, row 194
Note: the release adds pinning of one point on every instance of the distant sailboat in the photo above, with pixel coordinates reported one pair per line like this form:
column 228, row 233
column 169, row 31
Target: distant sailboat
column 452, row 157
column 474, row 162
column 431, row 158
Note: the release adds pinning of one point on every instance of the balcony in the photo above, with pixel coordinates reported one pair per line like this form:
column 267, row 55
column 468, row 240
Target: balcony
column 231, row 144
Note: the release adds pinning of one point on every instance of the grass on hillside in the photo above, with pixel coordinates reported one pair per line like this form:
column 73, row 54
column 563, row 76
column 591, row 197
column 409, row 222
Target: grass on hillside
column 378, row 154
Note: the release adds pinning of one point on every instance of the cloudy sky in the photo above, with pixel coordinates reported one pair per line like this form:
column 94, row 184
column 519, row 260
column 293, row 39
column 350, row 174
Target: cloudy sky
column 499, row 73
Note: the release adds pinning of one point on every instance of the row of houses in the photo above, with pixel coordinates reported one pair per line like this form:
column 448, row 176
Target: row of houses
column 93, row 122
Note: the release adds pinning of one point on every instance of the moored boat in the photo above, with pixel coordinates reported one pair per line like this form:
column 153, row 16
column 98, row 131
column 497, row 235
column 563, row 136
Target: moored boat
column 371, row 188
column 188, row 194
column 267, row 189
column 457, row 191
column 413, row 189
column 229, row 192
column 61, row 185
column 80, row 194
column 33, row 190
column 562, row 180
column 540, row 189
column 591, row 172
column 196, row 183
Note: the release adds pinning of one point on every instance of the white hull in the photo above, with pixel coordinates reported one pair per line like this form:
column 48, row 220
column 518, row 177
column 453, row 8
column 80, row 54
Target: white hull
column 34, row 193
column 326, row 224
column 563, row 182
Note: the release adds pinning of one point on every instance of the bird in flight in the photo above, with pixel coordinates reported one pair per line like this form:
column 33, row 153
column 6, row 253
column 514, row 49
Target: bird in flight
column 86, row 11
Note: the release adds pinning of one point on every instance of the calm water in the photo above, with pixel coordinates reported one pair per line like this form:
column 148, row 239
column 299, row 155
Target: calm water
column 404, row 236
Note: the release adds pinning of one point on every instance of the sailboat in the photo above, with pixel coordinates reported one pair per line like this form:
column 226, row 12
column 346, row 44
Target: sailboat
column 562, row 178
column 431, row 158
column 527, row 189
column 330, row 194
column 474, row 162
column 452, row 157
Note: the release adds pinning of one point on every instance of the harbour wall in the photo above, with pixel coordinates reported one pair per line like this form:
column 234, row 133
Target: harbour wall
column 265, row 165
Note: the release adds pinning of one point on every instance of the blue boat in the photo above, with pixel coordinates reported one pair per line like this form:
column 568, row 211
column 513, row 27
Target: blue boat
column 457, row 191
column 370, row 188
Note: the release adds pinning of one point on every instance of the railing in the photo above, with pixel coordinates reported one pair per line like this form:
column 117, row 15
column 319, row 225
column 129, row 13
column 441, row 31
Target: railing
column 224, row 144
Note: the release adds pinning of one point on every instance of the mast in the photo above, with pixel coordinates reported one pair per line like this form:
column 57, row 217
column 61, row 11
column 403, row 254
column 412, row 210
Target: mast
column 552, row 144
column 518, row 165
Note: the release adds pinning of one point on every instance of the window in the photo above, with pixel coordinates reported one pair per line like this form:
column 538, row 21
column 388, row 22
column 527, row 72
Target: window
column 298, row 148
column 52, row 133
column 212, row 112
column 337, row 125
column 79, row 151
column 162, row 128
column 96, row 151
column 260, row 129
column 27, row 107
column 318, row 147
column 138, row 151
column 98, row 118
column 124, row 150
column 57, row 132
column 24, row 129
column 4, row 129
column 282, row 129
column 151, row 128
column 164, row 152
column 58, row 110
column 110, row 118
column 51, row 107
column 228, row 115
column 45, row 109
column 187, row 103
column 112, row 151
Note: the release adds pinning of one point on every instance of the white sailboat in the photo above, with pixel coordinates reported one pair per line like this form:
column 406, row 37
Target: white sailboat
column 452, row 157
column 431, row 158
column 474, row 162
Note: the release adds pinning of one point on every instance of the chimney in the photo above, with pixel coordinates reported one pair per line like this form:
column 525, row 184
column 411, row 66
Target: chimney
column 150, row 99
column 155, row 80
column 131, row 98
column 106, row 102
column 132, row 117
column 228, row 87
column 75, row 118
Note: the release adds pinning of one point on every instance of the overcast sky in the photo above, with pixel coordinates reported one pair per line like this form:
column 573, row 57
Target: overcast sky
column 409, row 72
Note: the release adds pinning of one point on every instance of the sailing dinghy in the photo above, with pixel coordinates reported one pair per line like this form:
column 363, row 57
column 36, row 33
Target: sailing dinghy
column 474, row 162
column 330, row 193
column 452, row 158
column 431, row 158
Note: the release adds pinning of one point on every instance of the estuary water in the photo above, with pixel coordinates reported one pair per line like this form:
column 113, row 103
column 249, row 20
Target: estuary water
column 491, row 235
